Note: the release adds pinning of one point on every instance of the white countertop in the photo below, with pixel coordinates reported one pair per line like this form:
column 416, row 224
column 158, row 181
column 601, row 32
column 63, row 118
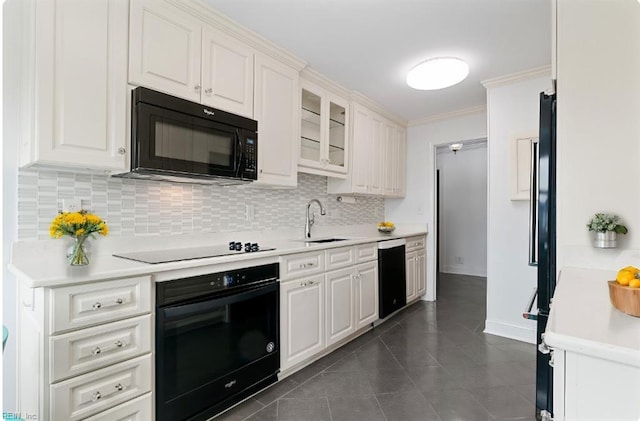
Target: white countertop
column 582, row 319
column 42, row 263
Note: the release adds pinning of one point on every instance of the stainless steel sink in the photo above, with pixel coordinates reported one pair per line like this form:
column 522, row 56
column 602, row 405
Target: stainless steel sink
column 325, row 240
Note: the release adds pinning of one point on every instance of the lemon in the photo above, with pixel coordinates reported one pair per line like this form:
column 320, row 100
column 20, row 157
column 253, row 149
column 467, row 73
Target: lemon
column 625, row 276
column 635, row 283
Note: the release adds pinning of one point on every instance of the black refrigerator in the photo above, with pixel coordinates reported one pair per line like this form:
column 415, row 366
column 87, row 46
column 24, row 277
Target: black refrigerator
column 542, row 249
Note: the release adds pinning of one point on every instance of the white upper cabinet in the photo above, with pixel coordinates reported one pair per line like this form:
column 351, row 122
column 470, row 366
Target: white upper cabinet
column 73, row 84
column 378, row 161
column 175, row 52
column 165, row 49
column 277, row 110
column 227, row 73
column 324, row 131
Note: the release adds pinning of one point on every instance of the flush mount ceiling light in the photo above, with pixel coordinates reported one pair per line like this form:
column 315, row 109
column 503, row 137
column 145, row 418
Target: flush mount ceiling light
column 437, row 73
column 455, row 147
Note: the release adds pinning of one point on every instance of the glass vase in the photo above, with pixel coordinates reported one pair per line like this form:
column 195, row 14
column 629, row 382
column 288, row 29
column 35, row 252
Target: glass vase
column 77, row 253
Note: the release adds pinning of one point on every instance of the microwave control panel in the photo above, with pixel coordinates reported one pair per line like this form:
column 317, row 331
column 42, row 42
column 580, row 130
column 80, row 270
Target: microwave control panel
column 250, row 153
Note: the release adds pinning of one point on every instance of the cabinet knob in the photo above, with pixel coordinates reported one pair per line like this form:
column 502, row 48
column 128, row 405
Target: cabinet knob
column 197, row 88
column 119, row 301
column 119, row 387
column 96, row 396
column 97, row 305
column 122, row 151
column 119, row 344
column 97, row 350
column 208, row 91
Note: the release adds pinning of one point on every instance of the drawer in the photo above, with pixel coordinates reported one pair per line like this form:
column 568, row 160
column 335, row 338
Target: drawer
column 339, row 257
column 138, row 409
column 86, row 395
column 89, row 349
column 90, row 304
column 416, row 243
column 366, row 252
column 302, row 264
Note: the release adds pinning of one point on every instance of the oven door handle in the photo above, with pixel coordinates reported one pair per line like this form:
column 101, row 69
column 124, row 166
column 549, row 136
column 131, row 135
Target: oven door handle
column 185, row 310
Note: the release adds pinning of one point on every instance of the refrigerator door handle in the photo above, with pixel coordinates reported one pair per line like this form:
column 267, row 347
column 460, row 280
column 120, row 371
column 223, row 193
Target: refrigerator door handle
column 533, row 205
column 527, row 314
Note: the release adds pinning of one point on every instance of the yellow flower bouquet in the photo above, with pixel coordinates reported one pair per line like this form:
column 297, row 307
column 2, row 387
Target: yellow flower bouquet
column 79, row 226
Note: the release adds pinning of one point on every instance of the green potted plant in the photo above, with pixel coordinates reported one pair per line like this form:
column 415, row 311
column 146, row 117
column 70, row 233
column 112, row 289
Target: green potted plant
column 606, row 226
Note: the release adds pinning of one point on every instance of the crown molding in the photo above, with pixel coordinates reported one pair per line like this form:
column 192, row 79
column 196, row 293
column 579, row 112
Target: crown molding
column 319, row 79
column 216, row 19
column 373, row 106
column 448, row 116
column 517, row 77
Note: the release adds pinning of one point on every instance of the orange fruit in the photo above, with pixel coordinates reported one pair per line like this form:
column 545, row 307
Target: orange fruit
column 635, row 283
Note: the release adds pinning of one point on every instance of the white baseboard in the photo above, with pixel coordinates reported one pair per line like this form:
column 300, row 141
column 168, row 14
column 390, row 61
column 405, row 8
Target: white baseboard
column 507, row 330
column 462, row 270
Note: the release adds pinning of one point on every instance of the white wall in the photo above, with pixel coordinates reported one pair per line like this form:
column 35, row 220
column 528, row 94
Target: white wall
column 598, row 71
column 513, row 110
column 9, row 207
column 463, row 210
column 418, row 204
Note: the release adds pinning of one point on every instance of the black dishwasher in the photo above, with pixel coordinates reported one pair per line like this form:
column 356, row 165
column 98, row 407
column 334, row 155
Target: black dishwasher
column 392, row 281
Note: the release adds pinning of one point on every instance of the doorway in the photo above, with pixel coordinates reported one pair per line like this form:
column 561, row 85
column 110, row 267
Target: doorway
column 461, row 210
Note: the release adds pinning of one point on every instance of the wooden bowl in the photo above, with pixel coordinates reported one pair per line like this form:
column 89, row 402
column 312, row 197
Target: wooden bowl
column 625, row 299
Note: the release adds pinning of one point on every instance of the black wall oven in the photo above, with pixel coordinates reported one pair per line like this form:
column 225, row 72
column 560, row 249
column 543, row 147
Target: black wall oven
column 178, row 140
column 217, row 341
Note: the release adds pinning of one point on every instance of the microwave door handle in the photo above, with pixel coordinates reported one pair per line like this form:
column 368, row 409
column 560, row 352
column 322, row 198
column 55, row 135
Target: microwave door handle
column 239, row 146
column 533, row 205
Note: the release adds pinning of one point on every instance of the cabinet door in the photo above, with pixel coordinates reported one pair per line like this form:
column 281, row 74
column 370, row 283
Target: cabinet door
column 165, row 49
column 390, row 159
column 360, row 162
column 277, row 110
column 81, row 84
column 421, row 274
column 301, row 319
column 227, row 73
column 366, row 294
column 340, row 305
column 312, row 126
column 411, row 276
column 336, row 151
column 377, row 156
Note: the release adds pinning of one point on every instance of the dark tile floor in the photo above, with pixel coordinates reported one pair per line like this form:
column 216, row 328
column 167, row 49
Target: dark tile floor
column 429, row 362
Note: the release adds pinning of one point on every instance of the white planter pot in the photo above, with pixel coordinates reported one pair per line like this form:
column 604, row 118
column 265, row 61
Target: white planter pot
column 605, row 240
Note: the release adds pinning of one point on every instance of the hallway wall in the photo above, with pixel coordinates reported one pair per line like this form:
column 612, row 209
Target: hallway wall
column 463, row 210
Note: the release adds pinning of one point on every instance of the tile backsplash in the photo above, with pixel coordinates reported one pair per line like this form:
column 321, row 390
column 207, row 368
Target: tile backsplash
column 140, row 207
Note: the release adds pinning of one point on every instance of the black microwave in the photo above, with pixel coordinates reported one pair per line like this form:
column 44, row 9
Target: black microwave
column 173, row 139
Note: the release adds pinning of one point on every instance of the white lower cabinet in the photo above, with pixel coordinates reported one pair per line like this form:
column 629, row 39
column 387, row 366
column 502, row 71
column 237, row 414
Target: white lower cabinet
column 416, row 267
column 325, row 308
column 301, row 319
column 340, row 304
column 411, row 276
column 588, row 388
column 85, row 349
column 366, row 287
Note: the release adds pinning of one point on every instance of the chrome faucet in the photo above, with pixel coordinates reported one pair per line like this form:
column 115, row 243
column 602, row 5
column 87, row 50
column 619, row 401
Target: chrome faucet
column 311, row 219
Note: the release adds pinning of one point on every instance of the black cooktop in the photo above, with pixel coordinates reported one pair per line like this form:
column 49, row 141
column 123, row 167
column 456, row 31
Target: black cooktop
column 176, row 255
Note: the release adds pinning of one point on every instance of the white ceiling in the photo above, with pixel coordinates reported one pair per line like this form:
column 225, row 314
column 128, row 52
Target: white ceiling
column 370, row 45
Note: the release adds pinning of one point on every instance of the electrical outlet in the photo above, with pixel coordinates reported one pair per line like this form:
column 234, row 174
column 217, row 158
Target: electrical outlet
column 71, row 205
column 459, row 260
column 249, row 212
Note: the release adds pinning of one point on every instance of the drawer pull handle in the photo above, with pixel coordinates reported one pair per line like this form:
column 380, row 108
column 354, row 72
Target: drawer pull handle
column 306, row 265
column 117, row 344
column 119, row 387
column 96, row 396
column 98, row 305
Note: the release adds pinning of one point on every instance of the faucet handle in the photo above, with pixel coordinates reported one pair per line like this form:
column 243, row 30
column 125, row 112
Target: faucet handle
column 312, row 218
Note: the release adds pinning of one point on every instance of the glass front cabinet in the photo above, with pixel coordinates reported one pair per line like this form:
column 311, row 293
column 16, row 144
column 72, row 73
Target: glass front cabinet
column 324, row 132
